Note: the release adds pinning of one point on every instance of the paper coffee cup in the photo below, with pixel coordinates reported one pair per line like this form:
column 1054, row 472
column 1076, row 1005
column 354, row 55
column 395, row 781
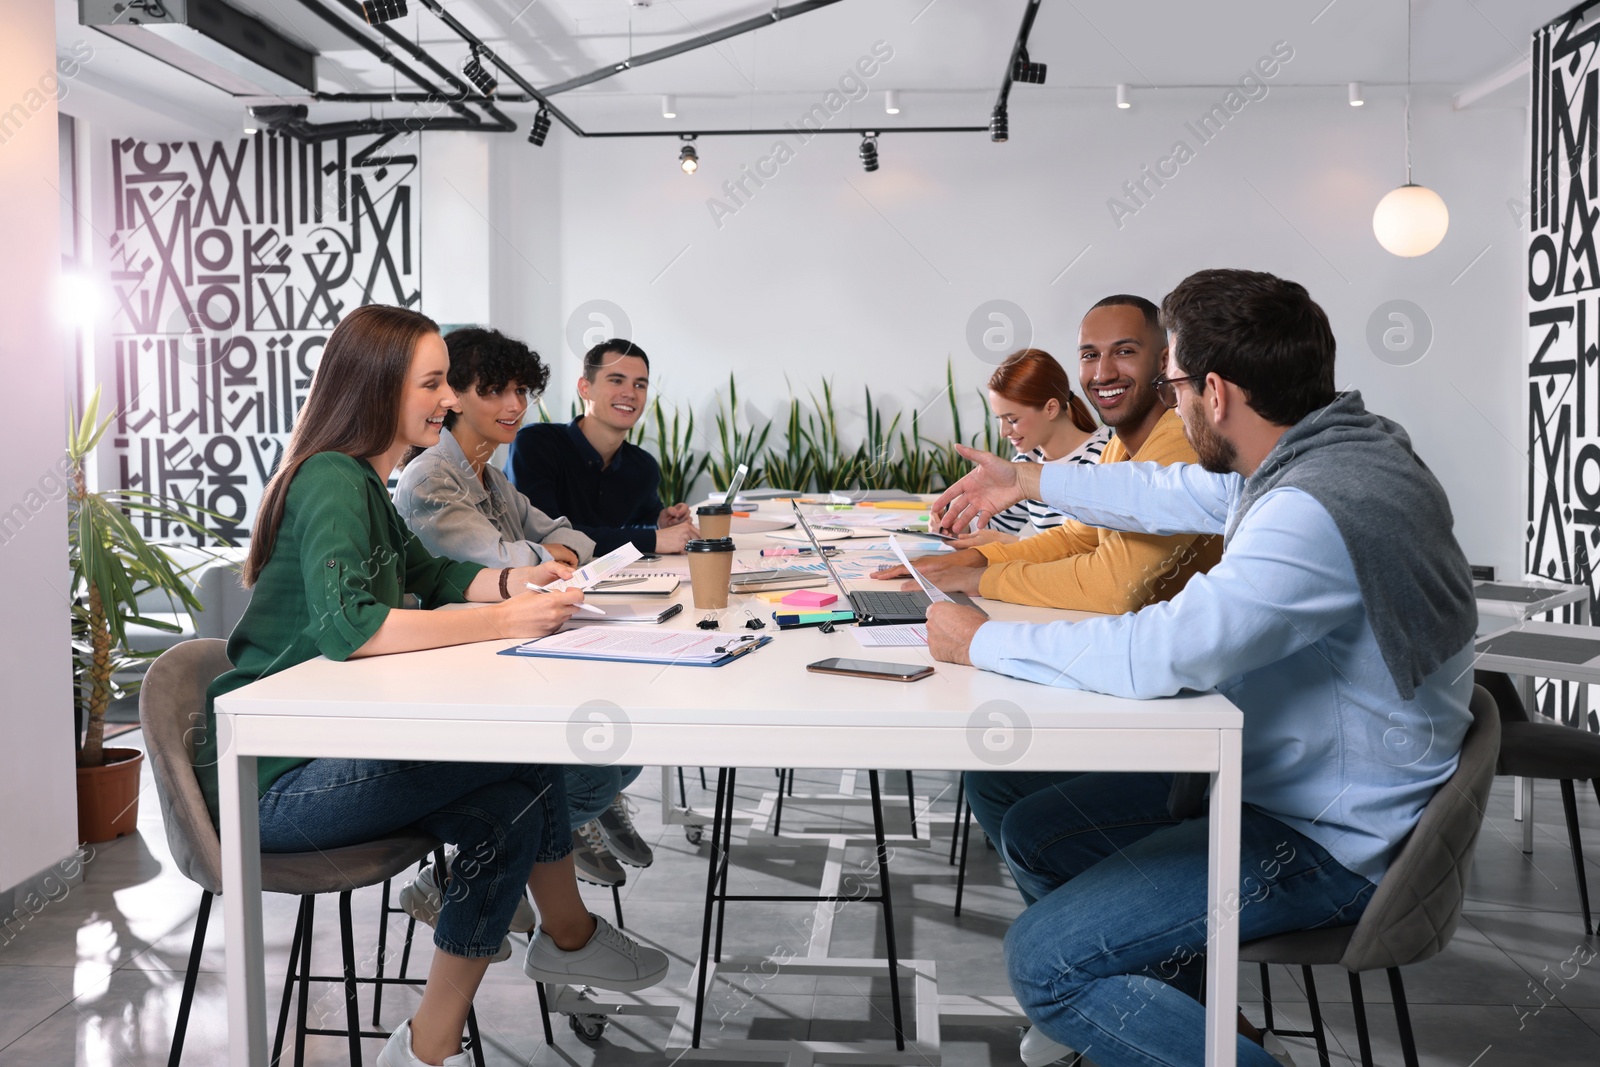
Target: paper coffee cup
column 710, row 568
column 715, row 520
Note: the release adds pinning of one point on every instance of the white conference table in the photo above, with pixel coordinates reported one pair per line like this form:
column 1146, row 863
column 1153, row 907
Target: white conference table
column 467, row 703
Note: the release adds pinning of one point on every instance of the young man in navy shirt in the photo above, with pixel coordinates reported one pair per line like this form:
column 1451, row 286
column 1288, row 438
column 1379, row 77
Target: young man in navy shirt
column 588, row 471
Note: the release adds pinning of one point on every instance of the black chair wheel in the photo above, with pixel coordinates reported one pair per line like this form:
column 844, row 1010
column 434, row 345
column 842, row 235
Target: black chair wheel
column 694, row 834
column 589, row 1028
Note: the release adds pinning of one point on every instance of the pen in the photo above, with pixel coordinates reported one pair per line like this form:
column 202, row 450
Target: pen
column 590, row 608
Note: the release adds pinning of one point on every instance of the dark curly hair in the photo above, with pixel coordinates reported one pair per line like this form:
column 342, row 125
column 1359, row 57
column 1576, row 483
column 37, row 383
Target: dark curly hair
column 485, row 359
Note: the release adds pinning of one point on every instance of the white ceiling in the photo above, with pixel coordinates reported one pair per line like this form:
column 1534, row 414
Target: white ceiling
column 947, row 52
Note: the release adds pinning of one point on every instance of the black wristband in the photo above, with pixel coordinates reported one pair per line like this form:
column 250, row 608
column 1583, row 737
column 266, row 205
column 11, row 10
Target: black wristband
column 505, row 588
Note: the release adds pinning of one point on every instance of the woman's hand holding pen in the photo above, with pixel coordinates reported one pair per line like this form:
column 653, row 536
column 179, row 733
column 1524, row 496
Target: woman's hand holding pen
column 529, row 614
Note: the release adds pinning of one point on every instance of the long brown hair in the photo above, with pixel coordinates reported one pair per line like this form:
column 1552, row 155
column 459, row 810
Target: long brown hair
column 353, row 407
column 1033, row 378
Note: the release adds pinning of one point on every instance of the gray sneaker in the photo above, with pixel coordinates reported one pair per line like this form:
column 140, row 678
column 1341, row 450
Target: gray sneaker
column 611, row 960
column 621, row 837
column 595, row 862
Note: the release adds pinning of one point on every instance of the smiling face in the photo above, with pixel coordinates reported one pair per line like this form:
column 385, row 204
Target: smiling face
column 1027, row 428
column 1118, row 357
column 426, row 396
column 493, row 414
column 616, row 395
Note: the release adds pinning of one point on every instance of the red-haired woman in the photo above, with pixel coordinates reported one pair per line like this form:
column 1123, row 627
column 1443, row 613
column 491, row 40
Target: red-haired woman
column 1031, row 396
column 329, row 562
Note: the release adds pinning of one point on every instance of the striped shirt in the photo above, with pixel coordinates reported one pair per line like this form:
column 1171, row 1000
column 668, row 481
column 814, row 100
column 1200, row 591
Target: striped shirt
column 1032, row 516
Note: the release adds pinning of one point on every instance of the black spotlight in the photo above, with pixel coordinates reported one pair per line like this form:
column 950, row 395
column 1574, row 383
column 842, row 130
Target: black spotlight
column 869, row 152
column 688, row 158
column 473, row 69
column 999, row 126
column 540, row 129
column 377, row 12
column 1026, row 72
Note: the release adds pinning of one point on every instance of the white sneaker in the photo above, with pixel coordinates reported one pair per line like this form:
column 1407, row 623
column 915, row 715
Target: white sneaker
column 422, row 900
column 1038, row 1050
column 611, row 960
column 397, row 1052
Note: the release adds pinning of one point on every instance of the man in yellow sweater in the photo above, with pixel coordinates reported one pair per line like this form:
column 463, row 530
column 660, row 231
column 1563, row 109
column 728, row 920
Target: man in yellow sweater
column 1121, row 347
column 1121, row 351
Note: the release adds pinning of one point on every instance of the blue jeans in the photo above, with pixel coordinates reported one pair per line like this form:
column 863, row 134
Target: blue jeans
column 590, row 790
column 1111, row 959
column 992, row 794
column 502, row 818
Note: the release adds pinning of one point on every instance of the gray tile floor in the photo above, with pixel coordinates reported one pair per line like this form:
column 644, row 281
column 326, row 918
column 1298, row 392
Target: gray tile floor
column 95, row 978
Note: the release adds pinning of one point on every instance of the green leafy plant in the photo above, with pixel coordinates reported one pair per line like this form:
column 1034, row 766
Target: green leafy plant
column 876, row 457
column 790, row 468
column 914, row 473
column 735, row 447
column 832, row 468
column 948, row 464
column 113, row 565
column 681, row 465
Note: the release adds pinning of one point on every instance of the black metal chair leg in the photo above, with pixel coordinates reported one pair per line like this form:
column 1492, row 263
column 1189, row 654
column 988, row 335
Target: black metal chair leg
column 190, row 976
column 911, row 802
column 711, row 898
column 383, row 947
column 472, row 1034
column 888, row 910
column 1402, row 1017
column 616, row 902
column 1363, row 1038
column 703, row 779
column 955, row 827
column 965, row 815
column 1318, row 1034
column 1569, row 802
column 544, row 1014
column 727, row 850
column 352, row 1004
column 308, row 907
column 777, row 808
column 411, row 931
column 683, row 792
column 1316, row 1019
column 288, row 988
column 1266, row 998
column 791, row 783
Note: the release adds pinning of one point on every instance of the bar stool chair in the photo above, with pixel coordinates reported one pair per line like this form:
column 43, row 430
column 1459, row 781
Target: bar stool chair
column 1414, row 912
column 1548, row 750
column 171, row 703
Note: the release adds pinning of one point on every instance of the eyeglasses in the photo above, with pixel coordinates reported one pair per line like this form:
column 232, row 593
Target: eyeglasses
column 1167, row 388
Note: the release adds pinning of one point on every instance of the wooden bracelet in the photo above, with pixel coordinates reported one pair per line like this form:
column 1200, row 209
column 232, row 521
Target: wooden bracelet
column 505, row 588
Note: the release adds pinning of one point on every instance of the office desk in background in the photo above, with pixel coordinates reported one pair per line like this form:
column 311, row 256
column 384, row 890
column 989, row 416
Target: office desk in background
column 467, row 703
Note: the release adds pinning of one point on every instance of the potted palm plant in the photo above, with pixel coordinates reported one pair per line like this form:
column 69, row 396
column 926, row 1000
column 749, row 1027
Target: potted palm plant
column 113, row 565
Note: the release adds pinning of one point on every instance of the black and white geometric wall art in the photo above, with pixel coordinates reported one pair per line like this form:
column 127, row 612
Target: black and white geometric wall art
column 1563, row 276
column 230, row 265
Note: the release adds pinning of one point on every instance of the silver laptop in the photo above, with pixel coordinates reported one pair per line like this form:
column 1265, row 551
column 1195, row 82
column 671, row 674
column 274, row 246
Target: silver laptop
column 877, row 607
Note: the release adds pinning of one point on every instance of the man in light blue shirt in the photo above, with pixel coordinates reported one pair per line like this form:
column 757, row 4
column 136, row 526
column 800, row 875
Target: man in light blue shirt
column 1351, row 662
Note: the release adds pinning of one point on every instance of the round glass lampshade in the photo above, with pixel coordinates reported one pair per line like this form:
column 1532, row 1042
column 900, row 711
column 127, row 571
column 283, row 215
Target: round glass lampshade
column 1410, row 220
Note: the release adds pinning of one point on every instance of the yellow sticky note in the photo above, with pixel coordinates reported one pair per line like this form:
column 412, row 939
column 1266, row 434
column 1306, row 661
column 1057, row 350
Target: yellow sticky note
column 774, row 596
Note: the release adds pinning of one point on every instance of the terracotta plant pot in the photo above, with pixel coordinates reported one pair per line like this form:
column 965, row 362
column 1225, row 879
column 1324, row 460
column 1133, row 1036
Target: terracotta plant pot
column 108, row 796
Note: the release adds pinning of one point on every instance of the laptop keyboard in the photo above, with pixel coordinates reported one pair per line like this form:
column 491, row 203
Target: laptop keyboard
column 889, row 602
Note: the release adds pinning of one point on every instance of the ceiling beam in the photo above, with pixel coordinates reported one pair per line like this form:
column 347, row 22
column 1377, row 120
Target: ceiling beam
column 1470, row 94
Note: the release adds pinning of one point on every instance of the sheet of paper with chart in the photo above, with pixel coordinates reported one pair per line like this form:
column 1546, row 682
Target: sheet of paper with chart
column 597, row 570
column 935, row 594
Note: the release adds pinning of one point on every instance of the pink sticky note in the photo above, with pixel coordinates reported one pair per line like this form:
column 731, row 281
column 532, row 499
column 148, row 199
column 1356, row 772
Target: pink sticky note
column 809, row 598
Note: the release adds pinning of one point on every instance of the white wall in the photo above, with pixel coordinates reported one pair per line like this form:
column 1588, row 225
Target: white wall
column 38, row 806
column 870, row 278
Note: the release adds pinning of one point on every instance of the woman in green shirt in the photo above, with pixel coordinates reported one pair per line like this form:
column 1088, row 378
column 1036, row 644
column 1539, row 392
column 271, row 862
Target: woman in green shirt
column 329, row 562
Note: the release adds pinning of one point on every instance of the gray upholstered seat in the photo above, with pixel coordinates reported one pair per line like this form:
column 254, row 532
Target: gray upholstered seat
column 172, row 705
column 1541, row 748
column 171, row 710
column 1414, row 912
